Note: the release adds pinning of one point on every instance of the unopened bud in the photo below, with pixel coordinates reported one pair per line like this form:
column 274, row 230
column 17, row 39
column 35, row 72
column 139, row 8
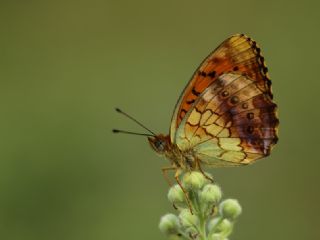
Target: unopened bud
column 169, row 224
column 176, row 195
column 193, row 180
column 211, row 194
column 224, row 227
column 187, row 219
column 230, row 209
column 213, row 223
column 217, row 236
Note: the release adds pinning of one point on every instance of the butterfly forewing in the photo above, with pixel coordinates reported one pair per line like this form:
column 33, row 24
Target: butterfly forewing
column 236, row 54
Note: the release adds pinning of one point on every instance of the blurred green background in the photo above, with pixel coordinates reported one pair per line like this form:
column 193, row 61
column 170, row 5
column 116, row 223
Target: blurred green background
column 65, row 65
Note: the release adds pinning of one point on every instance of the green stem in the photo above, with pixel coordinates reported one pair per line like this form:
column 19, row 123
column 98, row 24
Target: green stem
column 199, row 212
column 203, row 220
column 202, row 230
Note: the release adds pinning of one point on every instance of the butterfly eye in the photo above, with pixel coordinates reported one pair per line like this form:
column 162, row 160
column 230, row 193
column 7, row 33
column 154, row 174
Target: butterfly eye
column 160, row 145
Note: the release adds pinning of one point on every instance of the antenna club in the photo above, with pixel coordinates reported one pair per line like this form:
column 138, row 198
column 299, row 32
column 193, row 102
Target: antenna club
column 115, row 130
column 118, row 110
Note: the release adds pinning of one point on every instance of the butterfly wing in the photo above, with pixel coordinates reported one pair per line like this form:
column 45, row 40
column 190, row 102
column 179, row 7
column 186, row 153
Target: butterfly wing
column 238, row 53
column 232, row 122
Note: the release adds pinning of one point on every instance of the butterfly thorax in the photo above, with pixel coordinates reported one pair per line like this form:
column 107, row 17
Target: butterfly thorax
column 180, row 159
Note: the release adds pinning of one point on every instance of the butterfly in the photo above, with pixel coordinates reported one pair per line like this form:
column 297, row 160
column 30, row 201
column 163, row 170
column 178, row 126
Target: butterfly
column 225, row 115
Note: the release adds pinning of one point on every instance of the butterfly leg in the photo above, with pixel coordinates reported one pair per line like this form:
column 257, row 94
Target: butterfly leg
column 203, row 173
column 178, row 173
column 165, row 175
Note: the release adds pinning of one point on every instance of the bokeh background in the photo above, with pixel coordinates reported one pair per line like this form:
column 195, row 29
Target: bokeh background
column 65, row 65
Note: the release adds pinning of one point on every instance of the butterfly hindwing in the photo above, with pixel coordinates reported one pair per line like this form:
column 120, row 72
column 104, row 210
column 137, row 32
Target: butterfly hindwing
column 232, row 122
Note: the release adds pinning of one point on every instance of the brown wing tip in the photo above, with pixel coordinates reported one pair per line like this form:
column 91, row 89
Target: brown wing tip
column 240, row 35
column 262, row 64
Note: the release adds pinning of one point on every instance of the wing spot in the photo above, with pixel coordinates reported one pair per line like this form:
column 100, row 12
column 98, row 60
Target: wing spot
column 245, row 105
column 250, row 115
column 195, row 92
column 234, row 100
column 212, row 74
column 202, row 73
column 190, row 101
column 236, row 68
column 225, row 94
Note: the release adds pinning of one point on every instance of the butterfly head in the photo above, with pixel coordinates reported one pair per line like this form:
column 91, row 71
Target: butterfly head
column 160, row 143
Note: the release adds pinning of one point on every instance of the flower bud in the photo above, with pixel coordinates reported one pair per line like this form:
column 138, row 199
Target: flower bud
column 224, row 227
column 217, row 236
column 193, row 180
column 213, row 223
column 211, row 194
column 169, row 224
column 187, row 219
column 230, row 209
column 176, row 195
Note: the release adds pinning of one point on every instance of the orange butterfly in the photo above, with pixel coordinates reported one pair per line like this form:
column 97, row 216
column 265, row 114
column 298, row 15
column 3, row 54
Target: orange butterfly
column 225, row 116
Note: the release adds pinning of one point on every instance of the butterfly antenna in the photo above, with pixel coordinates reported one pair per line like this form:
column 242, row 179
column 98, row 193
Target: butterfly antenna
column 132, row 133
column 136, row 121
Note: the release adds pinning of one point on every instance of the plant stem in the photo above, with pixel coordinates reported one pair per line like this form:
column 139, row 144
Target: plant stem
column 202, row 230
